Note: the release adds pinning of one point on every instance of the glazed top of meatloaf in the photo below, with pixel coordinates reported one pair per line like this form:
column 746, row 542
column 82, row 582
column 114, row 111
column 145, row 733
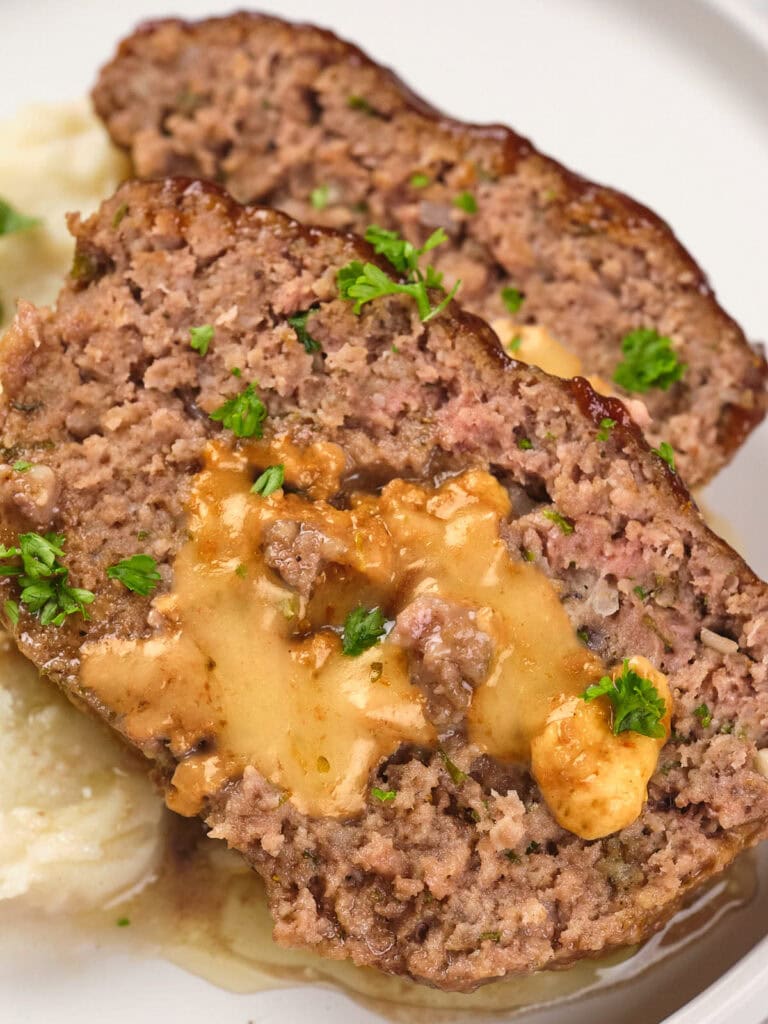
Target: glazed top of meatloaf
column 292, row 117
column 452, row 866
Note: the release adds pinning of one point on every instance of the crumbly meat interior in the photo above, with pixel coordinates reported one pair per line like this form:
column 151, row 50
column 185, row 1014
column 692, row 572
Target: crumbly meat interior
column 292, row 117
column 456, row 881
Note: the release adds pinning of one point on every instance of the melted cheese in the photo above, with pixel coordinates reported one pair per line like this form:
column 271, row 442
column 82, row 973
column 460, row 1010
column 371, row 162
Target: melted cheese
column 247, row 672
column 535, row 345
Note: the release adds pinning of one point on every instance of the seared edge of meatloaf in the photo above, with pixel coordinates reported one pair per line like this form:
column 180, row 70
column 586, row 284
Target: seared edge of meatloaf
column 457, row 880
column 292, row 117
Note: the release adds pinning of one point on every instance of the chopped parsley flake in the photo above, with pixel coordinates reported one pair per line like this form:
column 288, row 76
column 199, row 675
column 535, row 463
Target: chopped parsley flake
column 270, row 480
column 637, row 704
column 123, row 922
column 466, row 201
column 299, row 323
column 362, row 629
column 21, row 466
column 244, row 414
column 241, row 571
column 641, row 592
column 236, row 371
column 515, row 343
column 512, row 298
column 12, row 221
column 120, row 214
column 319, row 197
column 583, row 635
column 606, row 427
column 361, row 103
column 533, row 847
column 456, row 774
column 361, row 283
column 138, row 573
column 490, row 936
column 563, row 524
column 385, row 795
column 525, row 444
column 43, row 580
column 12, row 611
column 200, row 338
column 512, row 856
column 704, row 715
column 529, row 556
column 666, row 453
column 420, row 180
column 649, row 362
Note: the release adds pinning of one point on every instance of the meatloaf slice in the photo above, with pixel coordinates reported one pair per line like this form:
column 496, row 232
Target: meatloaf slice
column 292, row 117
column 466, row 875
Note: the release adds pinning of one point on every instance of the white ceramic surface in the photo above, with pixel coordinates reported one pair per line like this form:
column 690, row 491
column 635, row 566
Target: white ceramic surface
column 667, row 99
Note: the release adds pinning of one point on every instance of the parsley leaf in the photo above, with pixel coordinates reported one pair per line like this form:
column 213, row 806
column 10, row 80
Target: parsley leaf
column 244, row 414
column 200, row 338
column 138, row 573
column 512, row 298
column 43, row 580
column 270, row 480
column 666, row 453
column 363, row 282
column 12, row 611
column 525, row 444
column 515, row 343
column 21, row 466
column 420, row 180
column 385, row 795
column 704, row 715
column 466, row 201
column 319, row 197
column 564, row 525
column 299, row 323
column 456, row 774
column 362, row 629
column 649, row 362
column 606, row 426
column 637, row 704
column 361, row 103
column 12, row 221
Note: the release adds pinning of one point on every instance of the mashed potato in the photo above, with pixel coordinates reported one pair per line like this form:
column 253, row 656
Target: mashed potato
column 79, row 819
column 53, row 159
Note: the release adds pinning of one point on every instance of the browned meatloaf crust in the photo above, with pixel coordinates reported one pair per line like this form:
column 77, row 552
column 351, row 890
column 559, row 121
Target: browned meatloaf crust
column 453, row 882
column 274, row 111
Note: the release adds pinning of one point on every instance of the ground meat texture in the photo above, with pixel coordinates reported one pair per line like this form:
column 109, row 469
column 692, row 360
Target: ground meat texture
column 298, row 553
column 462, row 877
column 292, row 117
column 448, row 655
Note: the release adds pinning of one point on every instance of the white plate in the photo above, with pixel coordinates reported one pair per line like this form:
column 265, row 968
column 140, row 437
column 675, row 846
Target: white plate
column 667, row 100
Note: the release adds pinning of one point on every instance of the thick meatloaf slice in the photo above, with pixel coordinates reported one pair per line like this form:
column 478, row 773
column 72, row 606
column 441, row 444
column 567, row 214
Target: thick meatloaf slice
column 292, row 117
column 458, row 880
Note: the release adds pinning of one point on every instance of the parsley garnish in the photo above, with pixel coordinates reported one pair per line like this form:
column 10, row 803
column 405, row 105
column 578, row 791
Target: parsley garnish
column 42, row 578
column 362, row 629
column 704, row 715
column 200, row 338
column 456, row 774
column 560, row 521
column 490, row 936
column 21, row 466
column 420, row 180
column 466, row 201
column 666, row 453
column 606, row 426
column 525, row 444
column 641, row 592
column 12, row 611
column 120, row 214
column 236, row 371
column 385, row 795
column 299, row 323
column 270, row 480
column 362, row 283
column 512, row 298
column 319, row 197
column 649, row 362
column 244, row 414
column 637, row 704
column 123, row 922
column 12, row 221
column 138, row 573
column 532, row 847
column 361, row 103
